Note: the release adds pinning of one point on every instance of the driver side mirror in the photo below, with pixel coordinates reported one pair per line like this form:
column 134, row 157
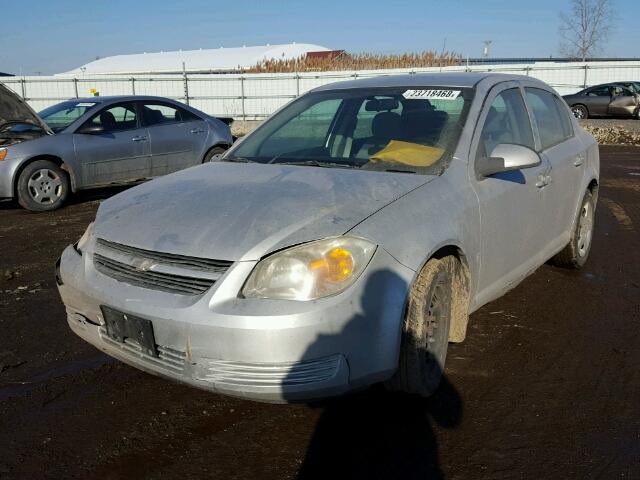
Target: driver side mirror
column 91, row 130
column 506, row 157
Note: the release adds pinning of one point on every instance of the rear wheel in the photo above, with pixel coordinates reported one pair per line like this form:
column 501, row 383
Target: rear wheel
column 580, row 112
column 425, row 336
column 42, row 186
column 209, row 156
column 575, row 254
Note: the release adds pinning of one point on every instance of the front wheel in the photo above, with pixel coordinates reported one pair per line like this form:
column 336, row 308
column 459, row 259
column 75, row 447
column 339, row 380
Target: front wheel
column 580, row 112
column 425, row 335
column 42, row 186
column 575, row 254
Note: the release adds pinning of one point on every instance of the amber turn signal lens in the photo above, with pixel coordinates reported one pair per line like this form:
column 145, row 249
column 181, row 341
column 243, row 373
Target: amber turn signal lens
column 3, row 153
column 337, row 265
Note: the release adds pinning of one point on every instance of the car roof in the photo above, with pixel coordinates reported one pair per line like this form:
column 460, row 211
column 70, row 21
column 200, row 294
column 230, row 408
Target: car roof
column 609, row 84
column 123, row 98
column 453, row 79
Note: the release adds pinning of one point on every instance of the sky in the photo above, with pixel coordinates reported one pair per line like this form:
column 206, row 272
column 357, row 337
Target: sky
column 47, row 36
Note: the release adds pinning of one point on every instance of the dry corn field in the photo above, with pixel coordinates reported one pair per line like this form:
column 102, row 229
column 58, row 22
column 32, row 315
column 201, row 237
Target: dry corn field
column 359, row 61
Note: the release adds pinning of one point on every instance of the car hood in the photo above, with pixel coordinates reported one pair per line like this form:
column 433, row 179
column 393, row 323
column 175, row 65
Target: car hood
column 234, row 211
column 14, row 109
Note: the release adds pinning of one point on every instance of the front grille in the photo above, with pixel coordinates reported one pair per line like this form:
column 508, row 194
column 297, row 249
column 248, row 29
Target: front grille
column 157, row 270
column 168, row 358
column 192, row 263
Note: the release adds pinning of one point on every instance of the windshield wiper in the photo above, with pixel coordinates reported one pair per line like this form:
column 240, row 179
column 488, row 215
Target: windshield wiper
column 311, row 162
column 398, row 170
column 237, row 160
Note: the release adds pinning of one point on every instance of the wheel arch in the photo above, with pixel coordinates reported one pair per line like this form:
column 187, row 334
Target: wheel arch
column 461, row 288
column 52, row 158
column 594, row 187
column 578, row 104
column 220, row 144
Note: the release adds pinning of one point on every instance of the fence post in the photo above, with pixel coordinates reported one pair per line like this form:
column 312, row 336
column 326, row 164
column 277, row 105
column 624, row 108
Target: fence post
column 585, row 75
column 527, row 69
column 185, row 80
column 244, row 115
column 297, row 84
column 23, row 88
column 133, row 86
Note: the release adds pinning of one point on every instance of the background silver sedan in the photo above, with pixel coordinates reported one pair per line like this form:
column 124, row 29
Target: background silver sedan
column 344, row 242
column 97, row 141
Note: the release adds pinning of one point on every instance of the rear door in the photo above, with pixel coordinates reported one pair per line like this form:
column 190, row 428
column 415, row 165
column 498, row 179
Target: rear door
column 566, row 155
column 177, row 137
column 597, row 100
column 117, row 154
column 513, row 218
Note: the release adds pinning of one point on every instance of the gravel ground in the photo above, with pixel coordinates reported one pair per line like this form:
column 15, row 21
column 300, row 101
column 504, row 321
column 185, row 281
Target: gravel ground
column 630, row 125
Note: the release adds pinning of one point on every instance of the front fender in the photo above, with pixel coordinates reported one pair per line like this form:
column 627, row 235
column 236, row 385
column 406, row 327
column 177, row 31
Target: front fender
column 442, row 213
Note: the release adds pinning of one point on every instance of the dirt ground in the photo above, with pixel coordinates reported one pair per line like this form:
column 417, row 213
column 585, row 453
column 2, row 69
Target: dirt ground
column 547, row 384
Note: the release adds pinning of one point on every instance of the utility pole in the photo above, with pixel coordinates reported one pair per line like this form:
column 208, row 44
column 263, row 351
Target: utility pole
column 485, row 50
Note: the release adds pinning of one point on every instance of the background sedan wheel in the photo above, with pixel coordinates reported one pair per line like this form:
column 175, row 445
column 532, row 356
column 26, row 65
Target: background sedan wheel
column 211, row 154
column 42, row 186
column 575, row 254
column 580, row 112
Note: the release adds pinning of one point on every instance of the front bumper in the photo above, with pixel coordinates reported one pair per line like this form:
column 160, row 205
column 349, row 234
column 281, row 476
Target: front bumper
column 266, row 350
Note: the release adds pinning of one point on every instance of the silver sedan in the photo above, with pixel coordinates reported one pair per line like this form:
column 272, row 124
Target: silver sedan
column 97, row 141
column 344, row 242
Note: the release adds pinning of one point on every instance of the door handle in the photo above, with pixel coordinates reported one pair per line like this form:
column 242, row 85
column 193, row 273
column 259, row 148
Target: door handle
column 578, row 161
column 139, row 139
column 197, row 130
column 543, row 180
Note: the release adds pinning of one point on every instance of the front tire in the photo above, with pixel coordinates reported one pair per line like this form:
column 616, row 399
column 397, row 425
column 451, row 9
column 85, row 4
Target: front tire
column 580, row 112
column 42, row 186
column 425, row 335
column 575, row 254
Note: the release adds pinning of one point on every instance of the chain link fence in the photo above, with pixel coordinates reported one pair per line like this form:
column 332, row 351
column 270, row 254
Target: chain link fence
column 256, row 96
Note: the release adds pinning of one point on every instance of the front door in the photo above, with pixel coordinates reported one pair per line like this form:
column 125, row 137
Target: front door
column 177, row 137
column 119, row 152
column 512, row 214
column 623, row 102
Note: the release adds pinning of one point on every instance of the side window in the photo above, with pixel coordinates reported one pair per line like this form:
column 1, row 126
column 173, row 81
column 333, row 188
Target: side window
column 116, row 118
column 599, row 92
column 622, row 92
column 506, row 122
column 187, row 116
column 158, row 113
column 565, row 119
column 306, row 131
column 549, row 118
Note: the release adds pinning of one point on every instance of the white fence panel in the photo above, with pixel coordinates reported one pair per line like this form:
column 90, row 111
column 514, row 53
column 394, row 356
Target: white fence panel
column 255, row 96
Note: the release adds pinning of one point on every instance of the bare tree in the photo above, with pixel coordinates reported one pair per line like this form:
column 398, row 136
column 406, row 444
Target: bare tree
column 586, row 27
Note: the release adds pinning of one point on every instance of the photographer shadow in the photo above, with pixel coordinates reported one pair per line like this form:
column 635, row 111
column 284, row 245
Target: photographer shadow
column 376, row 433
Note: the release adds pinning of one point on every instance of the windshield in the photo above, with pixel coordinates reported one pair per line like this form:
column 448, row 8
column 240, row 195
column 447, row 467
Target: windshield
column 393, row 129
column 60, row 116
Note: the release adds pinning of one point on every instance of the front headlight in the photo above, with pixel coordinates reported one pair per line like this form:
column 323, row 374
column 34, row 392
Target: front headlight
column 310, row 271
column 84, row 238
